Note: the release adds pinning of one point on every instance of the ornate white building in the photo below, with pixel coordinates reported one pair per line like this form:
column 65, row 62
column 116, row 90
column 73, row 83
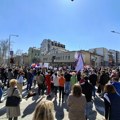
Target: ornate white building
column 51, row 47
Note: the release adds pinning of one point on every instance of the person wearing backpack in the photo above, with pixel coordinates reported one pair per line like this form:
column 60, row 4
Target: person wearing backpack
column 13, row 112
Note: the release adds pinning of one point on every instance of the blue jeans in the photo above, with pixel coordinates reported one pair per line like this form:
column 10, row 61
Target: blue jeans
column 1, row 92
column 88, row 109
column 29, row 85
column 67, row 87
column 93, row 91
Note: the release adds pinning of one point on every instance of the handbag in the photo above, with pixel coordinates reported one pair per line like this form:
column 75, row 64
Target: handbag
column 13, row 101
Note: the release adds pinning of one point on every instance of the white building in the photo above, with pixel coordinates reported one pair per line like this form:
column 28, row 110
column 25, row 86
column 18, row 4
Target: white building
column 118, row 58
column 51, row 47
column 103, row 52
column 114, row 56
column 110, row 57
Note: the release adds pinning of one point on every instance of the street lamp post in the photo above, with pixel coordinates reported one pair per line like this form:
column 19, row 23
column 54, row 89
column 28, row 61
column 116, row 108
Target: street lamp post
column 9, row 40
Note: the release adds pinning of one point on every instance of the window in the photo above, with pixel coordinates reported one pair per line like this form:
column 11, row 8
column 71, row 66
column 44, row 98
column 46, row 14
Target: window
column 68, row 57
column 52, row 43
column 45, row 59
column 58, row 58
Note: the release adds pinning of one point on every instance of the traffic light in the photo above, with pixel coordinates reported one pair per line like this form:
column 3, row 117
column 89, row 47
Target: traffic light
column 11, row 60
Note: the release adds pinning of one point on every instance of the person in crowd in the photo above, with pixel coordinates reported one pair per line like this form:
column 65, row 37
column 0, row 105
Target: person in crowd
column 4, row 76
column 10, row 76
column 76, row 104
column 40, row 82
column 78, row 75
column 118, row 73
column 112, row 103
column 52, row 84
column 93, row 81
column 115, row 82
column 56, row 83
column 73, row 79
column 61, row 87
column 67, row 82
column 25, row 71
column 16, row 72
column 44, row 111
column 48, row 83
column 87, row 91
column 82, row 80
column 1, row 90
column 29, row 79
column 34, row 77
column 20, row 79
column 13, row 112
column 98, row 83
column 104, row 78
column 113, row 75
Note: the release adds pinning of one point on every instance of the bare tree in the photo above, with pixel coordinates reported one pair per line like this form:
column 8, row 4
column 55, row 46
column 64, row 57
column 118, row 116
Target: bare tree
column 19, row 52
column 19, row 57
column 4, row 48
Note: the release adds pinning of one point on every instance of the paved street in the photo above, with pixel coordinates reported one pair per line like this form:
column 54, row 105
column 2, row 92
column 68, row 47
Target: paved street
column 60, row 111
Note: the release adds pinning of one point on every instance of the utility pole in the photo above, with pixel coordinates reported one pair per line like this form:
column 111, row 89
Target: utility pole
column 9, row 40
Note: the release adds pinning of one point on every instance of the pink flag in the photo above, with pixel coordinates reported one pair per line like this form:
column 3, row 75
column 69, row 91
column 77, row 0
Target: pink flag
column 80, row 63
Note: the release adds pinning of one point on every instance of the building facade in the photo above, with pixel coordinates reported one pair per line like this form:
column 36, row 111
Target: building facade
column 110, row 57
column 103, row 52
column 118, row 58
column 34, row 55
column 51, row 47
column 25, row 59
column 21, row 60
column 68, row 59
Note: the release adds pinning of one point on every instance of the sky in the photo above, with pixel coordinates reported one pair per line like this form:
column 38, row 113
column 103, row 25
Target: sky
column 81, row 24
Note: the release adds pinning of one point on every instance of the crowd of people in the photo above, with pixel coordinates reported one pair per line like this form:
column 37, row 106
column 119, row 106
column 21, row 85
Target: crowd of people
column 79, row 87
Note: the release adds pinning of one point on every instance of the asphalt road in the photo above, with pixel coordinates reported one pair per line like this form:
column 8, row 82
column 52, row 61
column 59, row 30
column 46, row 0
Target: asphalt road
column 27, row 107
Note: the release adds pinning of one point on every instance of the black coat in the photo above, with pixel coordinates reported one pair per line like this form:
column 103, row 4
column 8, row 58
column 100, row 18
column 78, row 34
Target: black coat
column 93, row 79
column 104, row 78
column 87, row 90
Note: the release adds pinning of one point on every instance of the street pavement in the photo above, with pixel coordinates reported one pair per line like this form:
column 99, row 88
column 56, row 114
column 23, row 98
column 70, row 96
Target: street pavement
column 27, row 107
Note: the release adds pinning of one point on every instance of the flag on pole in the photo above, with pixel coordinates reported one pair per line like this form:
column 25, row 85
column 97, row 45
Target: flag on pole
column 79, row 63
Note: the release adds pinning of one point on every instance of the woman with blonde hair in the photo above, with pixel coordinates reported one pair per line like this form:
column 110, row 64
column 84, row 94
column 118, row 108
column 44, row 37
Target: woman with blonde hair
column 76, row 104
column 44, row 111
column 13, row 111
